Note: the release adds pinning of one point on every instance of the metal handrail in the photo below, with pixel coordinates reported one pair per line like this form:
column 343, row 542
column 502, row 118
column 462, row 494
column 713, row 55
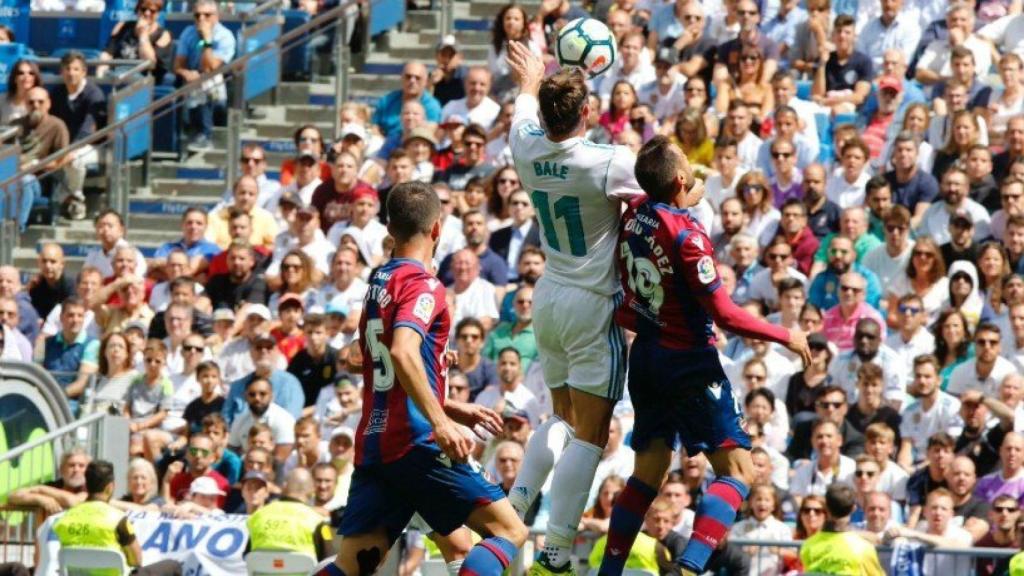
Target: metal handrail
column 188, row 89
column 263, row 7
column 62, row 431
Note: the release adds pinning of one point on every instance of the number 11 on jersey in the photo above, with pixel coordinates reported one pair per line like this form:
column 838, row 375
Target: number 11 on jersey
column 566, row 208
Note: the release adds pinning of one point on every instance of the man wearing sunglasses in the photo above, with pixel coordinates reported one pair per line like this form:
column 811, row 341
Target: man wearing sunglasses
column 199, row 461
column 203, row 47
column 1007, row 529
column 414, row 87
column 825, row 289
column 987, row 369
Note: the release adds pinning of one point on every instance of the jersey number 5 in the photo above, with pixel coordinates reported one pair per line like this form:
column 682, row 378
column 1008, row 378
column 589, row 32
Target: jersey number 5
column 566, row 208
column 383, row 369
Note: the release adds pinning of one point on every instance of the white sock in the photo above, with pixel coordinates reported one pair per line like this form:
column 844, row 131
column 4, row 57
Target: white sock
column 454, row 566
column 544, row 449
column 570, row 488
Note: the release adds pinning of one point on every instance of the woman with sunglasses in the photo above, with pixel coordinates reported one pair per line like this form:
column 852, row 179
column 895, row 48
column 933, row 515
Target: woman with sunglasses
column 307, row 137
column 762, row 216
column 298, row 276
column 963, row 291
column 140, row 39
column 747, row 84
column 14, row 104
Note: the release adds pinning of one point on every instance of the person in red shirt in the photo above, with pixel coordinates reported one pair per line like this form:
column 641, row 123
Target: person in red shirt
column 289, row 336
column 200, row 458
column 793, row 226
column 890, row 89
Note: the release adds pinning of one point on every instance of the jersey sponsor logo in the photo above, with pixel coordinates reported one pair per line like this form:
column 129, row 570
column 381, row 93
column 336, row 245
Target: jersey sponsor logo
column 706, row 270
column 424, row 308
column 378, row 421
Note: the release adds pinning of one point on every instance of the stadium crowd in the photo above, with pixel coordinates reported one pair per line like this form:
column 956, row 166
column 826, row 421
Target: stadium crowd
column 864, row 174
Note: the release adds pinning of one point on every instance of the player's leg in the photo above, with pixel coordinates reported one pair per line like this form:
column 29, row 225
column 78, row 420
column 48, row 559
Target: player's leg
column 550, row 439
column 454, row 547
column 545, row 447
column 729, row 449
column 573, row 476
column 650, row 465
column 504, row 534
column 359, row 554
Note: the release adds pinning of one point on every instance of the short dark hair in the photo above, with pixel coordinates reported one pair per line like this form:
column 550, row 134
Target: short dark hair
column 98, row 475
column 656, row 168
column 941, row 440
column 843, row 21
column 988, row 327
column 206, row 366
column 787, row 284
column 313, row 320
column 413, row 208
column 252, row 382
column 875, row 182
column 840, row 499
column 831, row 389
column 470, row 321
column 109, row 212
column 511, row 349
column 72, row 56
column 182, row 281
column 562, row 97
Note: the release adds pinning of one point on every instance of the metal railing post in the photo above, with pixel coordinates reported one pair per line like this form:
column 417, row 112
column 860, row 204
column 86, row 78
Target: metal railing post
column 8, row 241
column 115, row 187
column 342, row 62
column 447, row 17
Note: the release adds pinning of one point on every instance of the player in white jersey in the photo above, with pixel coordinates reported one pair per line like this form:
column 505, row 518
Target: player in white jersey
column 578, row 188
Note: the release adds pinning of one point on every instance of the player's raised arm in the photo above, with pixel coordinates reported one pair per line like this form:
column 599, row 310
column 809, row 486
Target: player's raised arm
column 732, row 318
column 407, row 359
column 527, row 68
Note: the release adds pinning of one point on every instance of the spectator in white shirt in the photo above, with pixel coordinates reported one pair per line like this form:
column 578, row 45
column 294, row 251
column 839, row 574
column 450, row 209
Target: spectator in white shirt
column 110, row 231
column 477, row 107
column 509, row 393
column 846, row 184
column 634, row 69
column 827, row 466
column 472, row 296
column 259, row 397
column 911, row 337
column 939, row 532
column 891, row 30
column 987, row 369
column 889, row 261
column 934, row 66
column 954, row 189
column 933, row 411
column 763, row 524
column 880, row 444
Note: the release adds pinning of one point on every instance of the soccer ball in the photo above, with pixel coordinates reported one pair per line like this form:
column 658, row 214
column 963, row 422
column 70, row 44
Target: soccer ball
column 588, row 44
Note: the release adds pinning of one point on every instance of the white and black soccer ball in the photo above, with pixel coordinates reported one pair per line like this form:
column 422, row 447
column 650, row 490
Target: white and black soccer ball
column 588, row 44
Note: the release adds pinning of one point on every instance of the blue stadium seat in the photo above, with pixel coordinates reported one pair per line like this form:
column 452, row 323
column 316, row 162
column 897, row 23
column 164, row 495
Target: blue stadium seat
column 49, row 32
column 803, row 89
column 295, row 59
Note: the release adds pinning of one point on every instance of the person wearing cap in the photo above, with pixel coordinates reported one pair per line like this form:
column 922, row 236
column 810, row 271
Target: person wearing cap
column 288, row 333
column 477, row 106
column 315, row 365
column 96, row 524
column 235, row 357
column 421, row 144
column 955, row 203
column 414, row 85
column 289, row 523
column 263, row 225
column 333, row 198
column 307, row 175
column 448, row 76
column 267, row 363
column 338, row 334
column 255, row 488
column 364, row 224
column 303, row 235
column 357, row 141
column 878, row 123
column 472, row 162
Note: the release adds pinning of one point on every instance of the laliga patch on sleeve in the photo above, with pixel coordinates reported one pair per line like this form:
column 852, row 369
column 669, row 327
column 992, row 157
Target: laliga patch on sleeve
column 424, row 308
column 706, row 270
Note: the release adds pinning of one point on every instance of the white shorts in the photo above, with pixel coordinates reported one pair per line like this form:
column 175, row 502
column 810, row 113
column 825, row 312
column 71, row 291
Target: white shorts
column 579, row 344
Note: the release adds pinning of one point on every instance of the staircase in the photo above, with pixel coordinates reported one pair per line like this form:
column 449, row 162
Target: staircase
column 154, row 211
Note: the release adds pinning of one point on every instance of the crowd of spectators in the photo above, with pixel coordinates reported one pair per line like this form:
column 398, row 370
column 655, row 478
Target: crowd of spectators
column 864, row 170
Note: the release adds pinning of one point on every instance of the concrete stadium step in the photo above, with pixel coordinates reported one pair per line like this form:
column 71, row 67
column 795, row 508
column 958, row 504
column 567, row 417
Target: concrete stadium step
column 169, row 189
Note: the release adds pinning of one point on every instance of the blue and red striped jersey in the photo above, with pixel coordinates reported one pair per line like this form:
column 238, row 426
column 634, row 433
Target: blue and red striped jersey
column 665, row 261
column 401, row 293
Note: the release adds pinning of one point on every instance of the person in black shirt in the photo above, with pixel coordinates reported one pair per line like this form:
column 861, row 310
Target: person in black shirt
column 209, row 401
column 843, row 79
column 939, row 456
column 961, row 245
column 831, row 404
column 869, row 407
column 978, row 441
column 241, row 283
column 822, row 213
column 78, row 102
column 316, row 364
column 969, row 511
column 51, row 286
column 183, row 292
column 448, row 77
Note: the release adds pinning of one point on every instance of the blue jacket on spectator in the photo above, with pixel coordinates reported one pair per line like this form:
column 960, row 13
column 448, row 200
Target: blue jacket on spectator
column 824, row 291
column 287, row 394
column 389, row 110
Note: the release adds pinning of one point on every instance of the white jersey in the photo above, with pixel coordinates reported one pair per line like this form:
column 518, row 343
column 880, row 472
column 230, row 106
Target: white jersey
column 577, row 188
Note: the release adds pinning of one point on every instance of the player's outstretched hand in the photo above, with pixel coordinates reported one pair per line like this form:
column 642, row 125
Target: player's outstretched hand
column 798, row 344
column 478, row 418
column 453, row 442
column 527, row 68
